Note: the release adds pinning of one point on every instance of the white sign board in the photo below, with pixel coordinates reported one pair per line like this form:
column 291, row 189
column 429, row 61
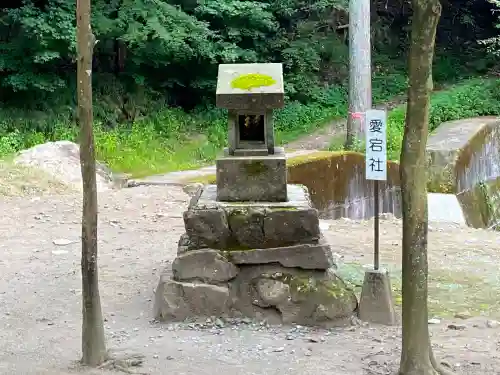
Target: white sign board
column 376, row 144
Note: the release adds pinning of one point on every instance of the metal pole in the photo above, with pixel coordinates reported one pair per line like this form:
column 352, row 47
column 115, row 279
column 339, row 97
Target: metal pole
column 360, row 80
column 376, row 232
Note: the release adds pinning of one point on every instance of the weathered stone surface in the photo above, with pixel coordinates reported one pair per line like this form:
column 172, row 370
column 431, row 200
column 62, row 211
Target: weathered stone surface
column 301, row 297
column 265, row 97
column 481, row 204
column 177, row 300
column 247, row 226
column 291, row 226
column 209, row 227
column 306, row 256
column 186, row 244
column 236, row 225
column 451, row 142
column 252, row 178
column 338, row 187
column 208, row 266
column 298, row 198
column 376, row 304
column 272, row 292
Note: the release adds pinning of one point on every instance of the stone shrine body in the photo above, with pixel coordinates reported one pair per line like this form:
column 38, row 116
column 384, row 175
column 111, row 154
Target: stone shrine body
column 253, row 247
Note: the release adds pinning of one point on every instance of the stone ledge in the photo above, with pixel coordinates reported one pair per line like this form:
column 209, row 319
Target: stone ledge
column 215, row 266
column 238, row 226
column 206, row 265
column 306, row 256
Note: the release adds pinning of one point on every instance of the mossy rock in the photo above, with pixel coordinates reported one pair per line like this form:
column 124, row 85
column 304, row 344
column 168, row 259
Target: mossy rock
column 301, row 296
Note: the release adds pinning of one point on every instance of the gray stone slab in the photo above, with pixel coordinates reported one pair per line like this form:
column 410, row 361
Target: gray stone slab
column 252, row 178
column 264, row 97
column 206, row 265
column 209, row 227
column 176, row 300
column 291, row 225
column 298, row 197
column 305, row 256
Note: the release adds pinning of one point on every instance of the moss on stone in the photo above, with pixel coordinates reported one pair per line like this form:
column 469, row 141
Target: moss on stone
column 251, row 81
column 290, row 208
column 237, row 247
column 255, row 168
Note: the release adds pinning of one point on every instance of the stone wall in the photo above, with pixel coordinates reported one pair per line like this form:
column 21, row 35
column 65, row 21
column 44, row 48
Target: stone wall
column 464, row 159
column 338, row 187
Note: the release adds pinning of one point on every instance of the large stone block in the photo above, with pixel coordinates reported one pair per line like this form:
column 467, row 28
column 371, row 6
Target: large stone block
column 251, row 225
column 292, row 226
column 298, row 296
column 177, row 300
column 252, row 178
column 305, row 256
column 247, row 226
column 209, row 227
column 206, row 265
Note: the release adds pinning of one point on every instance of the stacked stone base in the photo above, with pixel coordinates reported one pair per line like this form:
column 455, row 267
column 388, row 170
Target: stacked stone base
column 266, row 261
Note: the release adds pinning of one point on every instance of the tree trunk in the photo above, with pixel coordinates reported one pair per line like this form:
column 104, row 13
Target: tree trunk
column 93, row 344
column 417, row 357
column 360, row 79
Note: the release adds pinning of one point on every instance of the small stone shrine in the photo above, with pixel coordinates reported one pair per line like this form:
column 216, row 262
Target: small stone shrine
column 253, row 247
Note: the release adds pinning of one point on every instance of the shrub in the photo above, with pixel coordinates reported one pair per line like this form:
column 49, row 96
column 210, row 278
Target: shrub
column 476, row 97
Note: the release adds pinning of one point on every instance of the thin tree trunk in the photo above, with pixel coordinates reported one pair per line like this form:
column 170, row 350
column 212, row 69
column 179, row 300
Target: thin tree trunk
column 417, row 357
column 93, row 344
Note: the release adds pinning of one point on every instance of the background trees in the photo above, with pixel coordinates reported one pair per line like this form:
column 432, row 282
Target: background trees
column 154, row 45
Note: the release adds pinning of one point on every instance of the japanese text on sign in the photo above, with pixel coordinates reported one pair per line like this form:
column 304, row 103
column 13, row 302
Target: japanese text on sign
column 376, row 145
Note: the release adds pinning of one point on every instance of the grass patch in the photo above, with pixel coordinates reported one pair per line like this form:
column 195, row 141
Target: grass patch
column 450, row 292
column 17, row 180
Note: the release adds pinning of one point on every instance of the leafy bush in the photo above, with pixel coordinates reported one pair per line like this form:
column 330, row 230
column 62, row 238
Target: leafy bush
column 477, row 97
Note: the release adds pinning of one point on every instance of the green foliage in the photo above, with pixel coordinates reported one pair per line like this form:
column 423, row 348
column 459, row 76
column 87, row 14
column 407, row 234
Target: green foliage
column 477, row 97
column 154, row 57
column 493, row 42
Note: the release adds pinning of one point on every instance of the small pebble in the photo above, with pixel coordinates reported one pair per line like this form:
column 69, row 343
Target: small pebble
column 463, row 315
column 457, row 327
column 492, row 324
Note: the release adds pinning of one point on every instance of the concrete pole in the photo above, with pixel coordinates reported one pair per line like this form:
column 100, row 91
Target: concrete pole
column 360, row 79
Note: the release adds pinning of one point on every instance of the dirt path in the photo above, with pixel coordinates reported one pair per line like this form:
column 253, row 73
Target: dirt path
column 322, row 138
column 40, row 296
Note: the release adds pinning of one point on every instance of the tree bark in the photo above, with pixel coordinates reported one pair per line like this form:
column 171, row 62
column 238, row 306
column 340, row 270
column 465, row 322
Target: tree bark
column 93, row 344
column 417, row 357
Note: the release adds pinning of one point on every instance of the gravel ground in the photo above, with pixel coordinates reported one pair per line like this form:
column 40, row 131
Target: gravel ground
column 40, row 298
